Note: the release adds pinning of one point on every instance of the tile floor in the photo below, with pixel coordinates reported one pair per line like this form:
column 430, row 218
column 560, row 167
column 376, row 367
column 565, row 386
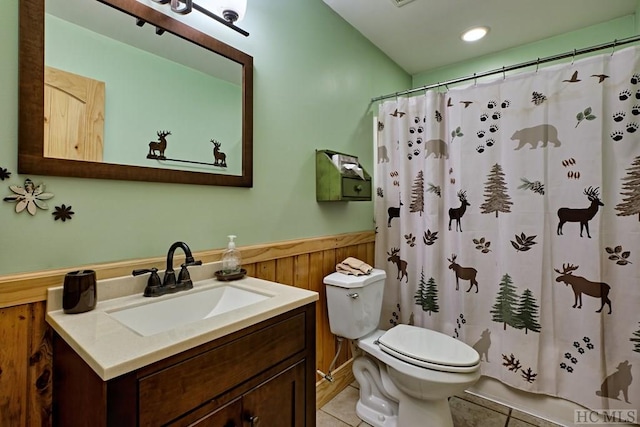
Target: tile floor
column 341, row 410
column 467, row 411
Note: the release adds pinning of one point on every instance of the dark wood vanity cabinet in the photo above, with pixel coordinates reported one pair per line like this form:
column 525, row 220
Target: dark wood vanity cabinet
column 277, row 402
column 263, row 375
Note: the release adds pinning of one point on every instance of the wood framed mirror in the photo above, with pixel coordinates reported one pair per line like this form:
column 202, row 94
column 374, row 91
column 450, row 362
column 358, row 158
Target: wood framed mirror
column 31, row 128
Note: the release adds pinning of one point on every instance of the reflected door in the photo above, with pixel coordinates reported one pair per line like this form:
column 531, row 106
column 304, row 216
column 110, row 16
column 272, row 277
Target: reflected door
column 73, row 116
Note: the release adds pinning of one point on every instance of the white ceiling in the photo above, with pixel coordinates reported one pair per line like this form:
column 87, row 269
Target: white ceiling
column 425, row 34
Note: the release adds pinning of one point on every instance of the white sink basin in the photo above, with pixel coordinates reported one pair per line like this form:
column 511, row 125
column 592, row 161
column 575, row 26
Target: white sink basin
column 171, row 311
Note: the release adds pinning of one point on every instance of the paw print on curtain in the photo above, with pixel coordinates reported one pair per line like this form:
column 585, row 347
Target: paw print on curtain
column 490, row 118
column 628, row 108
column 416, row 137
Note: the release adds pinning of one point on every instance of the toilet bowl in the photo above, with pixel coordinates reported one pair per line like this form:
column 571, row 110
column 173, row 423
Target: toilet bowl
column 406, row 374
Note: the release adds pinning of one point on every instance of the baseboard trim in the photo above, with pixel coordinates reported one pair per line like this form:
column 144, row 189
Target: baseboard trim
column 342, row 377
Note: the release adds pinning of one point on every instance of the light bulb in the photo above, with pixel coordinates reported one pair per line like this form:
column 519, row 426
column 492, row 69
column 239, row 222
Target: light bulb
column 474, row 34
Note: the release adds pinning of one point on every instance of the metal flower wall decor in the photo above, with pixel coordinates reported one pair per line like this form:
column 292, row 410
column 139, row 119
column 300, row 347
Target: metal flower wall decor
column 4, row 173
column 29, row 197
column 63, row 213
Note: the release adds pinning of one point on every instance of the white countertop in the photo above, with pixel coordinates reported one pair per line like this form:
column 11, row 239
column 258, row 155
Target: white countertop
column 112, row 349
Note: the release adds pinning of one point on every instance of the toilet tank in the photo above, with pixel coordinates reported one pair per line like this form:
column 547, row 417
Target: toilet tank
column 354, row 303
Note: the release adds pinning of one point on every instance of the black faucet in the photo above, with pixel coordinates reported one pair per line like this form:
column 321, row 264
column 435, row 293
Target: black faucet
column 184, row 280
column 155, row 288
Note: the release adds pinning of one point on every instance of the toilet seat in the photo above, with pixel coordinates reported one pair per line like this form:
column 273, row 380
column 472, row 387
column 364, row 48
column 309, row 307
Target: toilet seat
column 429, row 349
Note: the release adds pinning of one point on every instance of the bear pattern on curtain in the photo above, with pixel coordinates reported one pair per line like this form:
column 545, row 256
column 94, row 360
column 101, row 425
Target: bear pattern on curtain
column 508, row 217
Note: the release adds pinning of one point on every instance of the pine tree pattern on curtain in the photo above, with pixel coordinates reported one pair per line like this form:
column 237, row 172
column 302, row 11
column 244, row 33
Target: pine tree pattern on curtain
column 508, row 217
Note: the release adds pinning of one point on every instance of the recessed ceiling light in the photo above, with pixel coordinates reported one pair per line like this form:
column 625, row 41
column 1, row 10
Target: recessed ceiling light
column 474, row 34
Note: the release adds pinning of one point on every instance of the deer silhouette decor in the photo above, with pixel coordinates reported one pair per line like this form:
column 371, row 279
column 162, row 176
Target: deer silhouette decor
column 583, row 216
column 219, row 156
column 457, row 213
column 464, row 273
column 581, row 286
column 156, row 149
column 400, row 263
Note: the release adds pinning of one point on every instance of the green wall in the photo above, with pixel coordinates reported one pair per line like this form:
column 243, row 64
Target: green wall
column 314, row 77
column 594, row 35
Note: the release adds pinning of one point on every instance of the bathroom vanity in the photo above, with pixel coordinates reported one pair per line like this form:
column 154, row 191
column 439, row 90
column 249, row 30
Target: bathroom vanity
column 248, row 366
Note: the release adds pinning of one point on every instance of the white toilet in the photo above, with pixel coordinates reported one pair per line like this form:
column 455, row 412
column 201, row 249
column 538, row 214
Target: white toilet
column 406, row 374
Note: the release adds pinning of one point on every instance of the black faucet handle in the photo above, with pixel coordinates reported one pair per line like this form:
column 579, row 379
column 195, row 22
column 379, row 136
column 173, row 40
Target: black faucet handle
column 153, row 284
column 184, row 279
column 153, row 271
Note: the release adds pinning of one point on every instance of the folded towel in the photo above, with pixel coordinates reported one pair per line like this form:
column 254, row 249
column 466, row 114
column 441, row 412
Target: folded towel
column 358, row 265
column 354, row 267
column 345, row 269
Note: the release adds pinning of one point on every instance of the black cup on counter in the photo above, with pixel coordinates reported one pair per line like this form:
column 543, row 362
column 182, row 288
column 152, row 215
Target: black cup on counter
column 79, row 291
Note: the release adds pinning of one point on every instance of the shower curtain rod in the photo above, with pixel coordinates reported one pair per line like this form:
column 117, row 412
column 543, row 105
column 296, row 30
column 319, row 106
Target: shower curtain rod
column 613, row 44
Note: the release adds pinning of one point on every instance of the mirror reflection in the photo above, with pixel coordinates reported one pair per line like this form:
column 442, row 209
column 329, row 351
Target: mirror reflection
column 130, row 93
column 116, row 92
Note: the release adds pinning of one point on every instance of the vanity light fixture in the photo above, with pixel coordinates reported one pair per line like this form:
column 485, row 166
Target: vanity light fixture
column 226, row 12
column 474, row 34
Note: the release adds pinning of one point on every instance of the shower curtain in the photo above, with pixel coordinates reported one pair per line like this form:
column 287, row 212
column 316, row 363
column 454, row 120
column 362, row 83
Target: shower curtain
column 508, row 217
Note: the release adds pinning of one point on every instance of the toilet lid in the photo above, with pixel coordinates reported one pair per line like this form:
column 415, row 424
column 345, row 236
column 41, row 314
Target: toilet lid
column 428, row 349
column 348, row 281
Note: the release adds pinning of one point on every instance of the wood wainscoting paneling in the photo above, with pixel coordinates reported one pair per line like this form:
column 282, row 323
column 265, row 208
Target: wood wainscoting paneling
column 25, row 353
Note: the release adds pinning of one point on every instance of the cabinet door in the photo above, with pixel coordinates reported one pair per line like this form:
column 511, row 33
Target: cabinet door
column 277, row 402
column 227, row 416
